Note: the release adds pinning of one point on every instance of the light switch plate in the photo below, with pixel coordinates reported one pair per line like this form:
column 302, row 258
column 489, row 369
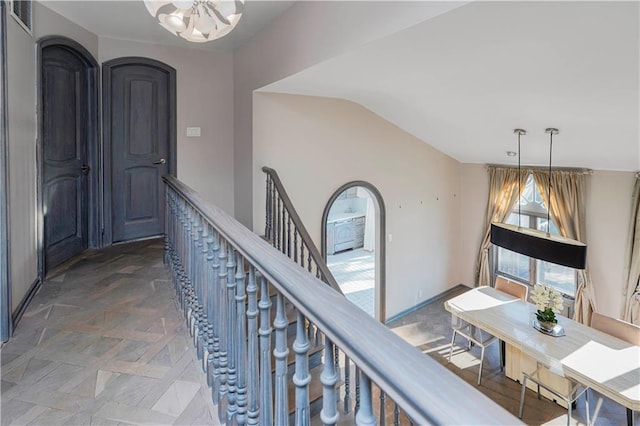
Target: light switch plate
column 193, row 132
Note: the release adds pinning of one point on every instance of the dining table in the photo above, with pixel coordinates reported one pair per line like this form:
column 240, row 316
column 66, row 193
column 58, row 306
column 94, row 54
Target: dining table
column 595, row 359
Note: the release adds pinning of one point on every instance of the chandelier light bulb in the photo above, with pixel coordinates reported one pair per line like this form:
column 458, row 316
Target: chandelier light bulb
column 174, row 21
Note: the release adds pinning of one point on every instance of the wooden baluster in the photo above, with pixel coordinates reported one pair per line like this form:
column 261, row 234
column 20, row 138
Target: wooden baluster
column 214, row 370
column 241, row 343
column 364, row 414
column 347, row 384
column 301, row 378
column 272, row 212
column 357, row 380
column 280, row 353
column 277, row 224
column 283, row 228
column 396, row 415
column 231, row 336
column 266, row 401
column 309, row 260
column 223, row 336
column 383, row 399
column 267, row 220
column 302, row 252
column 207, row 300
column 167, row 224
column 252, row 346
column 295, row 245
column 200, row 259
column 329, row 378
column 289, row 235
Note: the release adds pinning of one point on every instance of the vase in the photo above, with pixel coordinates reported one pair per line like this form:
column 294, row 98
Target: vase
column 547, row 325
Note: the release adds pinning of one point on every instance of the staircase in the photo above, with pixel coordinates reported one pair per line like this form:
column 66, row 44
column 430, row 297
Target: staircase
column 272, row 338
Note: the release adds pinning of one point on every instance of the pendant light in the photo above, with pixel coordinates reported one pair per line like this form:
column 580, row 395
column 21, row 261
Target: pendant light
column 535, row 243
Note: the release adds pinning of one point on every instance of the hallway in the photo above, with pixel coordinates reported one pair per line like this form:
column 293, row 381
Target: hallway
column 103, row 343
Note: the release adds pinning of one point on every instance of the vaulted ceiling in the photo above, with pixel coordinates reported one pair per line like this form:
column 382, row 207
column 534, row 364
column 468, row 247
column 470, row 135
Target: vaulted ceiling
column 463, row 80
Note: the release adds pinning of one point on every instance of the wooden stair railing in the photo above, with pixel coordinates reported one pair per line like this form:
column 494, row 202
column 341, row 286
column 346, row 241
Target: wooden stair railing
column 222, row 273
column 285, row 231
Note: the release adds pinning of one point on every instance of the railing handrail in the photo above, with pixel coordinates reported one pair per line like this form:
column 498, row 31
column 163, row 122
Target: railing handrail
column 425, row 390
column 319, row 260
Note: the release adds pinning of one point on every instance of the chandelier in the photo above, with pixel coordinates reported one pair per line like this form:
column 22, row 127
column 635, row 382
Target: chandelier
column 536, row 243
column 198, row 21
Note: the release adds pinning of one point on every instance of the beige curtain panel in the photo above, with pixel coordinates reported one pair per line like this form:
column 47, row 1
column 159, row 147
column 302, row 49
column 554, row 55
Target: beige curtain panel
column 631, row 309
column 504, row 183
column 567, row 208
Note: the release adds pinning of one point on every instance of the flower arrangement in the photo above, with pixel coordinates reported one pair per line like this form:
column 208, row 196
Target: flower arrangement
column 548, row 302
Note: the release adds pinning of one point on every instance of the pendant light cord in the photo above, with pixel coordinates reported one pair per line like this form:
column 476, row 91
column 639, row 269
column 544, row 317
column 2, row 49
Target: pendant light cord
column 519, row 182
column 549, row 184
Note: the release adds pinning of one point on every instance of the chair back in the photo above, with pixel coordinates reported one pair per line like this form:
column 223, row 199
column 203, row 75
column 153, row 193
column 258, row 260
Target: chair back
column 510, row 287
column 623, row 330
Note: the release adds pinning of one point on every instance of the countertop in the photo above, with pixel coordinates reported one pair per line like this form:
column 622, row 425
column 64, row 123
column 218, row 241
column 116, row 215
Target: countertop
column 343, row 216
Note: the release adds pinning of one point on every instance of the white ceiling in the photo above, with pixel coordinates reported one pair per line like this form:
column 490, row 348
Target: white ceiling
column 462, row 81
column 129, row 20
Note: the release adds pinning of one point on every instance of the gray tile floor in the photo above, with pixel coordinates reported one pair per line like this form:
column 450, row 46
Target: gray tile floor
column 103, row 343
column 354, row 270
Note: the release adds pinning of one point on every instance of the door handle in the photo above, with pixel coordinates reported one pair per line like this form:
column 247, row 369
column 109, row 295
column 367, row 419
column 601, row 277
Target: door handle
column 85, row 169
column 160, row 161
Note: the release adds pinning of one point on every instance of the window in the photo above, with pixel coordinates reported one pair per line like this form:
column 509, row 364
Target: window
column 533, row 214
column 21, row 12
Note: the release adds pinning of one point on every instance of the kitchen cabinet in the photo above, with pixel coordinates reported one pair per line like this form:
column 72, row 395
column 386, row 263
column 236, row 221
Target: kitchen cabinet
column 345, row 234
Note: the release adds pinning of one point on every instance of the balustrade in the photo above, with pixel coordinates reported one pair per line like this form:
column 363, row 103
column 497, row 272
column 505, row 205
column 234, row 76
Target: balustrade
column 223, row 275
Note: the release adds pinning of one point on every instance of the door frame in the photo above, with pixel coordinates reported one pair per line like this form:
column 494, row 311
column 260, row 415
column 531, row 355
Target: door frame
column 6, row 324
column 107, row 67
column 94, row 202
column 380, row 310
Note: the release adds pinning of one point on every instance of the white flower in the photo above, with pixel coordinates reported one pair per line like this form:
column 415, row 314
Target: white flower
column 547, row 297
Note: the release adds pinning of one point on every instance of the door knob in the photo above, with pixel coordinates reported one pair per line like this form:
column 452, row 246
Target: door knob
column 160, row 161
column 85, row 169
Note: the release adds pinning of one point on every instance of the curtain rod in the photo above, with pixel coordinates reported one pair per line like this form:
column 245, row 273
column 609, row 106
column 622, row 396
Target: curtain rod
column 545, row 168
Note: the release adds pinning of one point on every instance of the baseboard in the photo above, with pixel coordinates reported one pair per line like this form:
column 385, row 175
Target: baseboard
column 26, row 300
column 425, row 303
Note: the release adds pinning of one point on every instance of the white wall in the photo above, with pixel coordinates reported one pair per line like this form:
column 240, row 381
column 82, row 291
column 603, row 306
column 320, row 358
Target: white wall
column 22, row 165
column 608, row 216
column 299, row 39
column 205, row 100
column 318, row 144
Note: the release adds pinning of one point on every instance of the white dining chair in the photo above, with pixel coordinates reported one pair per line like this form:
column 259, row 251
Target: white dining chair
column 478, row 336
column 567, row 390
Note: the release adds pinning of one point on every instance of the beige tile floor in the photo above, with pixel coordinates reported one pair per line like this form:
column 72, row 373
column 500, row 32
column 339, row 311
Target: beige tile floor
column 354, row 270
column 102, row 344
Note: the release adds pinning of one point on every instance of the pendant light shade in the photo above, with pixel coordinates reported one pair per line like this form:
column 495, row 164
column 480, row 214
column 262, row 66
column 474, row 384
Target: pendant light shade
column 540, row 245
column 536, row 243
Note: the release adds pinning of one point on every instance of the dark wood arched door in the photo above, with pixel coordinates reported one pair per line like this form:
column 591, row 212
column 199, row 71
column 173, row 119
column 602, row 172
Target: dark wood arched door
column 68, row 91
column 140, row 136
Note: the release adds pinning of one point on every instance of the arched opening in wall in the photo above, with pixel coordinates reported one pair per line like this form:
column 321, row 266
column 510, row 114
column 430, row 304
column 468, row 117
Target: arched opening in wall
column 353, row 232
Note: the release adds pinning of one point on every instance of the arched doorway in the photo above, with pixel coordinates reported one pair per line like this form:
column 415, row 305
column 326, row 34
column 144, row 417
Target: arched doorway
column 68, row 151
column 353, row 244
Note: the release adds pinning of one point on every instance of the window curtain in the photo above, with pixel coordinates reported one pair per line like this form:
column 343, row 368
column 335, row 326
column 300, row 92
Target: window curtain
column 567, row 209
column 631, row 311
column 504, row 183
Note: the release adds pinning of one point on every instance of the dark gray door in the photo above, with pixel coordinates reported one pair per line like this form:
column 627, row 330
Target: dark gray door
column 65, row 156
column 140, row 109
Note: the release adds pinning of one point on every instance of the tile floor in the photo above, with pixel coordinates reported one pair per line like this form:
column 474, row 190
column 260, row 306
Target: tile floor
column 354, row 270
column 103, row 343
